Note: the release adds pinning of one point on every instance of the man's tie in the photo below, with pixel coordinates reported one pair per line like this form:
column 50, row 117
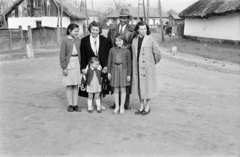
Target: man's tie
column 121, row 30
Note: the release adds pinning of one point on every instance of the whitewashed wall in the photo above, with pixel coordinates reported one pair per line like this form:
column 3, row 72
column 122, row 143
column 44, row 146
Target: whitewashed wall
column 221, row 27
column 31, row 21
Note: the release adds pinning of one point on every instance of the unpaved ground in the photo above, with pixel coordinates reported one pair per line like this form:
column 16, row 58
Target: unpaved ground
column 196, row 113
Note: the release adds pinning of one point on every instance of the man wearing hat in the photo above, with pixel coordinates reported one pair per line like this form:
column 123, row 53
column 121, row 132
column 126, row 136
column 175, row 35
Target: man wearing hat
column 123, row 28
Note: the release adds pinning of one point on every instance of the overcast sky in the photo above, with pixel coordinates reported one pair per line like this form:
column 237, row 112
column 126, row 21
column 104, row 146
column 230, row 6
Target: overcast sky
column 177, row 5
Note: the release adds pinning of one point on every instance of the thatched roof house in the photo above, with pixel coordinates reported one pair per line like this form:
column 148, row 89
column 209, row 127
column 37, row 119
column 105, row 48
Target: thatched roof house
column 70, row 10
column 41, row 13
column 213, row 19
column 210, row 8
column 175, row 20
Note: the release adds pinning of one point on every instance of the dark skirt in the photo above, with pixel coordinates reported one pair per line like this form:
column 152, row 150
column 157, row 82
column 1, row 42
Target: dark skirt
column 119, row 76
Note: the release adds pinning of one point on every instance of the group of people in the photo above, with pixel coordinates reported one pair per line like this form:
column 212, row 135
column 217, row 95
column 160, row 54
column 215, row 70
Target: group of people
column 126, row 57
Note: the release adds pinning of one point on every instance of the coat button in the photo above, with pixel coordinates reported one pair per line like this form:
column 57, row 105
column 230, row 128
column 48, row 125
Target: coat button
column 143, row 61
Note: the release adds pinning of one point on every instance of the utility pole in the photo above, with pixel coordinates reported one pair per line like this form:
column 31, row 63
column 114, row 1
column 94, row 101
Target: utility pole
column 61, row 14
column 161, row 22
column 148, row 12
column 143, row 9
column 92, row 10
column 86, row 14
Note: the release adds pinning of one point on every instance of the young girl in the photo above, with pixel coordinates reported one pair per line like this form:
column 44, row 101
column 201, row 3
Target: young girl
column 119, row 71
column 70, row 64
column 93, row 79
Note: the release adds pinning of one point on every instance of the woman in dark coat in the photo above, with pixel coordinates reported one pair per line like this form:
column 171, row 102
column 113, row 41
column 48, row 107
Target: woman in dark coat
column 94, row 45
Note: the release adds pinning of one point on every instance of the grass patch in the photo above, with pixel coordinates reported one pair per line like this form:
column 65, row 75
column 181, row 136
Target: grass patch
column 221, row 52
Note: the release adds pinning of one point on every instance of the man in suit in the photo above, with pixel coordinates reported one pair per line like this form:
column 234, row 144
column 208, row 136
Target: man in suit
column 123, row 28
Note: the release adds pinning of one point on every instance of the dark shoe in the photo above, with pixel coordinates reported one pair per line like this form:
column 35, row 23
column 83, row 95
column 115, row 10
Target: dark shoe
column 90, row 111
column 99, row 111
column 70, row 108
column 139, row 112
column 113, row 106
column 127, row 107
column 145, row 113
column 76, row 108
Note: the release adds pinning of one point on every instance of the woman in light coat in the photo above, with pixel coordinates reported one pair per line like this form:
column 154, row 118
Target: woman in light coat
column 145, row 55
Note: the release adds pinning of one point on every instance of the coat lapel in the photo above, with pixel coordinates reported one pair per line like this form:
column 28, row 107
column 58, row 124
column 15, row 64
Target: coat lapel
column 136, row 46
column 89, row 45
column 145, row 39
column 101, row 46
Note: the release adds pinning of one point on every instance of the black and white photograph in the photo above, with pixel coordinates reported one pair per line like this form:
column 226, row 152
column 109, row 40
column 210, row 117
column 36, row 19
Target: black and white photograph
column 119, row 78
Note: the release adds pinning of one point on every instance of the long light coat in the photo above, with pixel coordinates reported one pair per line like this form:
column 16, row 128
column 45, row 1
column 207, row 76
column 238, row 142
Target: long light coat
column 149, row 56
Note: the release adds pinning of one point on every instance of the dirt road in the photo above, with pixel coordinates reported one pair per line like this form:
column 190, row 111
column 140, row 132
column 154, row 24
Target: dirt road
column 196, row 113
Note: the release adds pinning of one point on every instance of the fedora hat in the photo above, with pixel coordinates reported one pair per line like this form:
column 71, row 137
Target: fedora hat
column 124, row 12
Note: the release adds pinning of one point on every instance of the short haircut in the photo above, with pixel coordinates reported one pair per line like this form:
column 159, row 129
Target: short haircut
column 95, row 24
column 142, row 23
column 71, row 27
column 93, row 60
column 120, row 36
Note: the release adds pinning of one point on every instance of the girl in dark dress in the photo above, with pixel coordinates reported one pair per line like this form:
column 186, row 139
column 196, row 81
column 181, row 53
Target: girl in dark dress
column 119, row 71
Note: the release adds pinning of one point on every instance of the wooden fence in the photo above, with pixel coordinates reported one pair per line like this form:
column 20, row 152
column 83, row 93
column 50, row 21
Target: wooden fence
column 16, row 39
column 12, row 39
column 178, row 30
column 45, row 36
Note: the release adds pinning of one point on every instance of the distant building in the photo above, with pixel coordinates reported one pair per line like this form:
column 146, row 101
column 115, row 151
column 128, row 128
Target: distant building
column 154, row 19
column 217, row 20
column 175, row 20
column 39, row 13
column 92, row 16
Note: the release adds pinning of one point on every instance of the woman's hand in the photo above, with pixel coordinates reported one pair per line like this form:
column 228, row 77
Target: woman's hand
column 84, row 71
column 104, row 70
column 128, row 78
column 109, row 76
column 65, row 72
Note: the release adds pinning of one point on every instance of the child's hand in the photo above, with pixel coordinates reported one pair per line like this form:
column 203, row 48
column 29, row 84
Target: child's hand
column 65, row 72
column 109, row 76
column 128, row 78
column 104, row 70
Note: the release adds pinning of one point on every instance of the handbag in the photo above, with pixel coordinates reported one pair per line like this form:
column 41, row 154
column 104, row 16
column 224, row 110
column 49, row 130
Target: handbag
column 106, row 88
column 82, row 88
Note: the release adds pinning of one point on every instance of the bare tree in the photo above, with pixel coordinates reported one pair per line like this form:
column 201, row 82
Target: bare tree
column 117, row 4
column 171, row 12
column 5, row 4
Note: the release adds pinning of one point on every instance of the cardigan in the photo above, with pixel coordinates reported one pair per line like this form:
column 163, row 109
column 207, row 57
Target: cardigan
column 66, row 51
column 90, row 73
column 126, row 59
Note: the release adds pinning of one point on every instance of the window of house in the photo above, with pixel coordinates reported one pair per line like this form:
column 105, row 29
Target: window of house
column 39, row 23
column 37, row 3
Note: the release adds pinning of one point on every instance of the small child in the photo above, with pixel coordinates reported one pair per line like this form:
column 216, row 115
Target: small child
column 119, row 71
column 70, row 64
column 93, row 79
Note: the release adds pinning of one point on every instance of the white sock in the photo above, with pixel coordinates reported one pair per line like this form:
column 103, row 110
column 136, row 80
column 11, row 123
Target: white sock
column 69, row 97
column 75, row 97
column 98, row 103
column 90, row 104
